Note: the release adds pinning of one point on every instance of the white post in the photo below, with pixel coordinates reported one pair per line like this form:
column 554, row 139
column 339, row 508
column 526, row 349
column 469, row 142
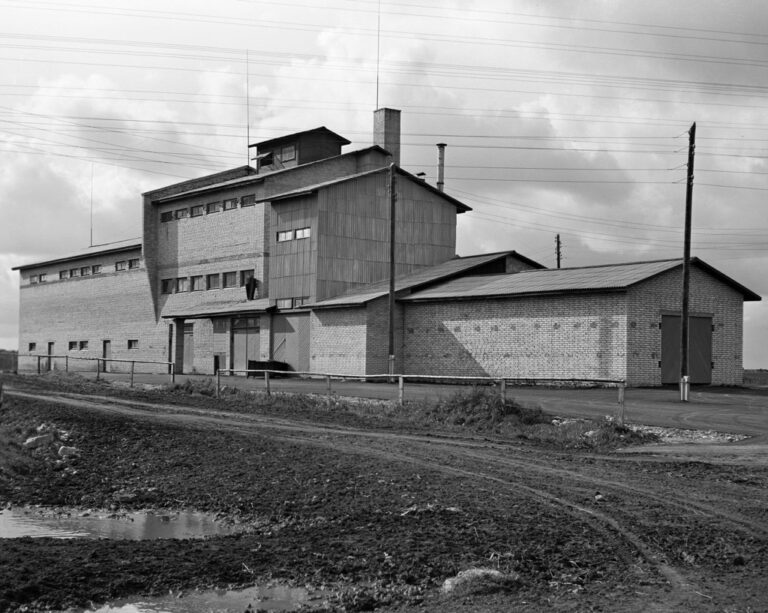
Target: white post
column 266, row 381
column 620, row 411
column 133, row 366
column 218, row 383
column 400, row 390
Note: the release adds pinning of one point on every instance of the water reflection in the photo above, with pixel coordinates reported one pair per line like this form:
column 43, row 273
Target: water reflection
column 18, row 522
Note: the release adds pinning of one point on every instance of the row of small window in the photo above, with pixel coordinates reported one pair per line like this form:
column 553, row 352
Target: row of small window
column 291, row 303
column 197, row 283
column 85, row 271
column 289, row 235
column 212, row 207
column 83, row 345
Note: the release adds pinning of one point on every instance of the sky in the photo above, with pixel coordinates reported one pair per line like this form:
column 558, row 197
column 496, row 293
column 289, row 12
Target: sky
column 561, row 117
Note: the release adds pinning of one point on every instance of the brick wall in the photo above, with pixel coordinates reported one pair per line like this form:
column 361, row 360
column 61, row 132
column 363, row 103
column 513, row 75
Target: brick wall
column 114, row 306
column 338, row 341
column 377, row 339
column 663, row 294
column 576, row 336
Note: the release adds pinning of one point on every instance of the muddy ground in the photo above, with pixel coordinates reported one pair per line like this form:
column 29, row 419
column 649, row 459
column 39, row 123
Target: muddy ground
column 376, row 508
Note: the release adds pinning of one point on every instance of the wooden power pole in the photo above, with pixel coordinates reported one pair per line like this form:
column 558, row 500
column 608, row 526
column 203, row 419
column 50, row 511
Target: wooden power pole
column 558, row 251
column 392, row 268
column 684, row 332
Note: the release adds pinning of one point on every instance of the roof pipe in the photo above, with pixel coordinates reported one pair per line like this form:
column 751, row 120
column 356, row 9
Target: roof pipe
column 441, row 166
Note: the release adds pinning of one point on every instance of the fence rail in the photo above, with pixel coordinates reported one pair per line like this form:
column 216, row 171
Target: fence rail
column 101, row 363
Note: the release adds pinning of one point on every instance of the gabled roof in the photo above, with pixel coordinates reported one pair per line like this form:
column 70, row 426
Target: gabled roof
column 613, row 277
column 320, row 130
column 96, row 250
column 413, row 281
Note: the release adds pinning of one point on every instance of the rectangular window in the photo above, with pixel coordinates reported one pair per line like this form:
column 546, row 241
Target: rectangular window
column 288, row 153
column 286, row 235
column 63, row 274
column 96, row 269
column 284, row 303
column 230, row 279
column 83, row 345
column 167, row 286
column 134, row 263
column 181, row 213
column 302, row 233
column 33, row 346
column 72, row 345
column 230, row 203
column 43, row 277
column 123, row 265
column 213, row 281
column 248, row 200
column 213, row 207
column 133, row 343
column 33, row 278
column 245, row 275
column 167, row 216
column 196, row 211
column 197, row 283
column 85, row 271
column 74, row 272
column 182, row 284
column 297, row 302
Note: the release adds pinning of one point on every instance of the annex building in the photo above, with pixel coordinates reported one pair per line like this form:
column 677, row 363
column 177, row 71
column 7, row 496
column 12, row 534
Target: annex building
column 289, row 260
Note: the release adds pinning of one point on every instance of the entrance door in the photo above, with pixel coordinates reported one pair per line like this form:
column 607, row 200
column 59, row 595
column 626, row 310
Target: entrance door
column 290, row 340
column 188, row 364
column 49, row 359
column 699, row 349
column 106, row 353
column 246, row 341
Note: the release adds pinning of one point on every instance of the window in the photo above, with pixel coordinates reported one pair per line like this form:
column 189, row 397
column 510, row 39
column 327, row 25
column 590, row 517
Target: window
column 133, row 343
column 286, row 235
column 33, row 278
column 248, row 200
column 213, row 207
column 197, row 283
column 167, row 216
column 284, row 303
column 245, row 275
column 230, row 279
column 302, row 233
column 123, row 265
column 213, row 281
column 182, row 284
column 288, row 153
column 297, row 302
column 133, row 263
column 33, row 346
column 74, row 272
column 181, row 213
column 85, row 271
column 167, row 286
column 43, row 277
column 196, row 211
column 83, row 345
column 96, row 269
column 230, row 203
column 63, row 274
column 72, row 345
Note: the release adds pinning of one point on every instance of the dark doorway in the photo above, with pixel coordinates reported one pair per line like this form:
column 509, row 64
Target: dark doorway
column 106, row 353
column 699, row 349
column 246, row 341
column 49, row 359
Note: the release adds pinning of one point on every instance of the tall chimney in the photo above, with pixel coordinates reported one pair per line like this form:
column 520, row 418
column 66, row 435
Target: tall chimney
column 441, row 166
column 386, row 131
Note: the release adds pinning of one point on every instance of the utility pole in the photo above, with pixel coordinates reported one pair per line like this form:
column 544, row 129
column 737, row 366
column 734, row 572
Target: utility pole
column 558, row 251
column 684, row 380
column 392, row 203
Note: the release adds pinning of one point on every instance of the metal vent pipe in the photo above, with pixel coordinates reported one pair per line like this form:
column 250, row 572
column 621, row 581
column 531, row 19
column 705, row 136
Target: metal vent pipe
column 441, row 166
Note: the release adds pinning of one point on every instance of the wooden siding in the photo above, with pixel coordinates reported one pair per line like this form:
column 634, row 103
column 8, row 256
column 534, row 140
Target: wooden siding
column 293, row 263
column 353, row 225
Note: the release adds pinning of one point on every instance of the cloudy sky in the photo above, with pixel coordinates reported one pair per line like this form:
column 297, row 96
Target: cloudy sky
column 561, row 117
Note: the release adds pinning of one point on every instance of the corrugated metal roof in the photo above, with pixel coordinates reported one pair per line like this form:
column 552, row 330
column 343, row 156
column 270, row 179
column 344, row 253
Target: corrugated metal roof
column 89, row 252
column 563, row 280
column 220, row 308
column 431, row 274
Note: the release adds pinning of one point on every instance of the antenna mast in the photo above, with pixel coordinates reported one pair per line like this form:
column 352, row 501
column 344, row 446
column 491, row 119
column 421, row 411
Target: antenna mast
column 247, row 109
column 378, row 50
column 91, row 244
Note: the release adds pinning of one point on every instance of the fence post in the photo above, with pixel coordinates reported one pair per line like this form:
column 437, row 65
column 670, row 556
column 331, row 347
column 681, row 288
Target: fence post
column 328, row 384
column 133, row 366
column 503, row 390
column 173, row 372
column 620, row 411
column 266, row 381
column 38, row 365
column 400, row 390
column 1, row 394
column 218, row 383
column 98, row 368
column 66, row 363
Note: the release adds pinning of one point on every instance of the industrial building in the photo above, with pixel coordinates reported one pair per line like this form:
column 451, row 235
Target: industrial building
column 288, row 259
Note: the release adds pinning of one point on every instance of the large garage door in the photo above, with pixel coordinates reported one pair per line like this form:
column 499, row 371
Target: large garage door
column 699, row 349
column 245, row 341
column 290, row 340
column 189, row 348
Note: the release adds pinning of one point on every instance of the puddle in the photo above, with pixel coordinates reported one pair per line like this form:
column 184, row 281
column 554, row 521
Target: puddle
column 275, row 598
column 19, row 522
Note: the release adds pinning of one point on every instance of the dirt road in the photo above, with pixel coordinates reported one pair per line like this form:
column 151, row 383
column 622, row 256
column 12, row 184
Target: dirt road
column 404, row 510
